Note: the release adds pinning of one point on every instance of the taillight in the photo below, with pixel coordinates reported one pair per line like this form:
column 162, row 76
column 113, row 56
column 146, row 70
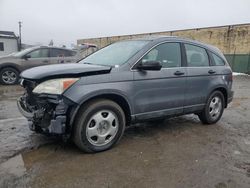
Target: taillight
column 230, row 77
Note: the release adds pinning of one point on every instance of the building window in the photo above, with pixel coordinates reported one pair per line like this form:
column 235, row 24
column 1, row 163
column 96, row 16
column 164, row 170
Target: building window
column 1, row 46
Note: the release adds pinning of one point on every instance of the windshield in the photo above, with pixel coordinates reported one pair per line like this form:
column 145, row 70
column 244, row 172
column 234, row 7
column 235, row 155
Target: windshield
column 23, row 52
column 115, row 54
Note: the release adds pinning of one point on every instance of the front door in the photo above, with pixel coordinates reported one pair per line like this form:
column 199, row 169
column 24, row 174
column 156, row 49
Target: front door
column 36, row 58
column 160, row 93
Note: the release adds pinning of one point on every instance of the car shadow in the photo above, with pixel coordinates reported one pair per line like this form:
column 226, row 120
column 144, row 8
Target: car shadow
column 170, row 126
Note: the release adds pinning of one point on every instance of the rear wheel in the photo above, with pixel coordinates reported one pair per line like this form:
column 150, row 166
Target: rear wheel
column 99, row 125
column 213, row 109
column 9, row 76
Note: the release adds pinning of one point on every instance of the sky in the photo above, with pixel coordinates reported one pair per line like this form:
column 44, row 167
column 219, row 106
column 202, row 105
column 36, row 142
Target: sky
column 65, row 21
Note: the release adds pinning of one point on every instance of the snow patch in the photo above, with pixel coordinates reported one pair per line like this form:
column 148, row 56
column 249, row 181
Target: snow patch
column 240, row 74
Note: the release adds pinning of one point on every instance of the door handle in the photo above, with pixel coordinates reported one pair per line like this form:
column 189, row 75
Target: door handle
column 211, row 71
column 178, row 73
column 45, row 61
column 68, row 61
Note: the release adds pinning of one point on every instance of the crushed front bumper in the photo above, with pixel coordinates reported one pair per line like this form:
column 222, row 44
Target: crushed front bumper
column 49, row 117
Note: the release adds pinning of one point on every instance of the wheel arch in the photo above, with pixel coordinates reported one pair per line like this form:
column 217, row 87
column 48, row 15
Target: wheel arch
column 10, row 65
column 118, row 98
column 223, row 90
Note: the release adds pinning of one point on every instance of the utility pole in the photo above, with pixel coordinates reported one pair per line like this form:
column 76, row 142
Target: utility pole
column 20, row 35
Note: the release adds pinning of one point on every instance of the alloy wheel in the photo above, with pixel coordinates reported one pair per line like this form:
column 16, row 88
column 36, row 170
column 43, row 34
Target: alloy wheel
column 215, row 107
column 9, row 77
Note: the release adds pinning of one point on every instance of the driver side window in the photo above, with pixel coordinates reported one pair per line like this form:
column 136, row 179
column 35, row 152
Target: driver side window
column 168, row 54
column 40, row 53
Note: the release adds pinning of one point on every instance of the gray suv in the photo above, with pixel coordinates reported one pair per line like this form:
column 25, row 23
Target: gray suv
column 13, row 64
column 126, row 82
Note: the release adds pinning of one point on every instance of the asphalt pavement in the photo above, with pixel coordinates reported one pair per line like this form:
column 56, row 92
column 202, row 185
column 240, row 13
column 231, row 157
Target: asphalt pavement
column 180, row 152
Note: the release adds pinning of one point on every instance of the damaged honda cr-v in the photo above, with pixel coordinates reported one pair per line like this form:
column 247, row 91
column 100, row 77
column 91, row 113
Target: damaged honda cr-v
column 130, row 81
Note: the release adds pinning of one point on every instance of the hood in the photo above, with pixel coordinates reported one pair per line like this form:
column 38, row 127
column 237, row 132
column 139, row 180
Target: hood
column 70, row 70
column 7, row 58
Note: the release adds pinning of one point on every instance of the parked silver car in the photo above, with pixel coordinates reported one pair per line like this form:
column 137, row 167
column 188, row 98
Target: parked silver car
column 13, row 64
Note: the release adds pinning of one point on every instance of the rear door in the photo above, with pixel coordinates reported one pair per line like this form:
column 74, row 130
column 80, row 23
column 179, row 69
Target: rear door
column 160, row 93
column 61, row 56
column 36, row 58
column 56, row 56
column 199, row 78
column 70, row 56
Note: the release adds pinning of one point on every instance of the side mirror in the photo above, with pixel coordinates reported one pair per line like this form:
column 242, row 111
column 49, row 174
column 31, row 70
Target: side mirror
column 150, row 65
column 26, row 57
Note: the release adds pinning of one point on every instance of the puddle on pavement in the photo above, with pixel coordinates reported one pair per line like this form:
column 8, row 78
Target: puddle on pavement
column 13, row 173
column 8, row 96
column 15, row 137
column 10, row 92
column 13, row 166
column 247, row 141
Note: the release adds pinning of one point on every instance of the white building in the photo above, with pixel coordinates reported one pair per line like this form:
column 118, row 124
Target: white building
column 8, row 42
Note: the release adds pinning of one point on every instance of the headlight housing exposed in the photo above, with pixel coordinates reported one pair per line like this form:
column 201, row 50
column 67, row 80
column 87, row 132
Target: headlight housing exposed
column 54, row 86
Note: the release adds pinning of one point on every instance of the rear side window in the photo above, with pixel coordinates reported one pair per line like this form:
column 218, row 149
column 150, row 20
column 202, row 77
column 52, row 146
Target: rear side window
column 168, row 54
column 71, row 53
column 196, row 56
column 217, row 60
column 61, row 53
column 57, row 53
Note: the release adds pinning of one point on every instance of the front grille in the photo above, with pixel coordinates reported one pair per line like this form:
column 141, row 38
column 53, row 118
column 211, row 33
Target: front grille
column 29, row 86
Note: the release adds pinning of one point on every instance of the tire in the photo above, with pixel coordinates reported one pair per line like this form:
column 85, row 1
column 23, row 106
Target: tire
column 9, row 76
column 213, row 109
column 99, row 126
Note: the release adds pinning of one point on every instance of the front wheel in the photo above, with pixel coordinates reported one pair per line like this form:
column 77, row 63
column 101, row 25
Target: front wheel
column 9, row 76
column 99, row 125
column 213, row 109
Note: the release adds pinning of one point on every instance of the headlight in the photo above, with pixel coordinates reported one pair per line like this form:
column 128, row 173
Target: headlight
column 55, row 86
